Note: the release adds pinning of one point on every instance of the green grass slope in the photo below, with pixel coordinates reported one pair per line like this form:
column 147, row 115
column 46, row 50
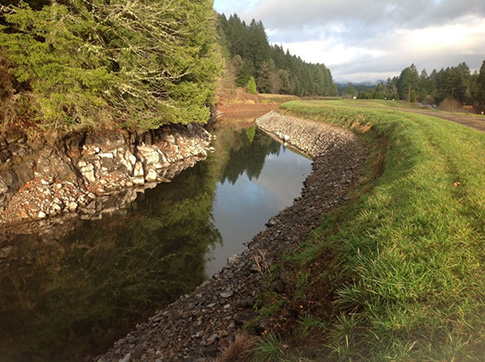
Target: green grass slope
column 403, row 264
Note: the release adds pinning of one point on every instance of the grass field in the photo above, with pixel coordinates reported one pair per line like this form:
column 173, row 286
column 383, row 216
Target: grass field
column 403, row 263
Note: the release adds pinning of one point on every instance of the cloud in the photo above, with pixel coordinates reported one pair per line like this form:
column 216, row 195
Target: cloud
column 369, row 13
column 375, row 38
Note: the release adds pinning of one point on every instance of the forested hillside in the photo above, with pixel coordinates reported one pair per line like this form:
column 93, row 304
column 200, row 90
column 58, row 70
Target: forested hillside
column 249, row 54
column 453, row 83
column 137, row 64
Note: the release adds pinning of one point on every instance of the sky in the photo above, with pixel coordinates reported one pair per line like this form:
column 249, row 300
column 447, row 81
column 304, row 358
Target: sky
column 370, row 40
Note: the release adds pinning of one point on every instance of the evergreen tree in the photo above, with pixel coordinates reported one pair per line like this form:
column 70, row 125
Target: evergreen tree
column 412, row 96
column 452, row 83
column 273, row 69
column 258, row 46
column 408, row 80
column 481, row 86
column 350, row 92
column 473, row 88
column 138, row 64
column 424, row 86
column 380, row 91
column 263, row 76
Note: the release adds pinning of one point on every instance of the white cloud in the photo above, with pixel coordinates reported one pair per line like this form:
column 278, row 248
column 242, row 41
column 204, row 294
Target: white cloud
column 334, row 52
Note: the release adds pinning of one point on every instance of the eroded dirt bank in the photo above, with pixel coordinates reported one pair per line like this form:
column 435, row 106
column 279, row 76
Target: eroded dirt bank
column 201, row 324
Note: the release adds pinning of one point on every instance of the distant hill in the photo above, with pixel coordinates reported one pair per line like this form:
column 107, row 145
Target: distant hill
column 362, row 86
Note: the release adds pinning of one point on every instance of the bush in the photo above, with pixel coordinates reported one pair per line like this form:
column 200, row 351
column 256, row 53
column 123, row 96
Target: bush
column 251, row 87
column 450, row 105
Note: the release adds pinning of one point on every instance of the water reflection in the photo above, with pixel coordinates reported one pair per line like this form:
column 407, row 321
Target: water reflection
column 248, row 154
column 66, row 294
column 60, row 298
column 242, row 207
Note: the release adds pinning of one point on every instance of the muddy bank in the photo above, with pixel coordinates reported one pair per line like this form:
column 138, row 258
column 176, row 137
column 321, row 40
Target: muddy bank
column 83, row 173
column 201, row 324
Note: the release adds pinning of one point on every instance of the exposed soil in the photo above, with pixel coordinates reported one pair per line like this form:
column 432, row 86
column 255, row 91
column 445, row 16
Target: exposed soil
column 244, row 111
column 238, row 104
column 202, row 324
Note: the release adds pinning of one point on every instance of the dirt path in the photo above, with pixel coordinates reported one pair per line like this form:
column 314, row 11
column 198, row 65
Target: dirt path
column 472, row 121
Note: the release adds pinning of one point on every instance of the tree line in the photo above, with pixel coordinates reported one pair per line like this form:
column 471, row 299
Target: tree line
column 140, row 64
column 249, row 56
column 457, row 83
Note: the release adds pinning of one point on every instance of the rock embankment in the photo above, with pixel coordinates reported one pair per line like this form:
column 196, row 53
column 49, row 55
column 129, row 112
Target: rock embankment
column 202, row 324
column 55, row 175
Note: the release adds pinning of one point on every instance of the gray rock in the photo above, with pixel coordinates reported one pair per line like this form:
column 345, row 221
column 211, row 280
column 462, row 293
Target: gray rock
column 127, row 358
column 233, row 259
column 227, row 294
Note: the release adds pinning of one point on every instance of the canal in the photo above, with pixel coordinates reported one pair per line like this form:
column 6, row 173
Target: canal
column 70, row 292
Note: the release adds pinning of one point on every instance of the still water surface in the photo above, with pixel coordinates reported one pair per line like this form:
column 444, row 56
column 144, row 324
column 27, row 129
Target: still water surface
column 242, row 208
column 64, row 295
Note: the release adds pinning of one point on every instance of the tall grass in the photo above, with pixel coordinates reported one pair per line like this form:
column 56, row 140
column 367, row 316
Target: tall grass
column 410, row 251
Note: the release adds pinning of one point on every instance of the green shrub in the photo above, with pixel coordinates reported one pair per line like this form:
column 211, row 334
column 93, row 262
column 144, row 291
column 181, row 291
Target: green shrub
column 251, row 87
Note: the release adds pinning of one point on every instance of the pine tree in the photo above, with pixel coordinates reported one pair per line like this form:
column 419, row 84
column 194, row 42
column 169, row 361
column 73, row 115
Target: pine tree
column 408, row 80
column 481, row 85
column 412, row 96
column 273, row 69
column 350, row 91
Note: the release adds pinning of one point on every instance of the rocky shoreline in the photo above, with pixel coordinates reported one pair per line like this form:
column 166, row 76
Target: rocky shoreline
column 202, row 324
column 89, row 174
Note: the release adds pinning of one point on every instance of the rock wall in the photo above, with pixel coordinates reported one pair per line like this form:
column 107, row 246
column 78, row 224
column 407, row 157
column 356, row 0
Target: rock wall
column 78, row 173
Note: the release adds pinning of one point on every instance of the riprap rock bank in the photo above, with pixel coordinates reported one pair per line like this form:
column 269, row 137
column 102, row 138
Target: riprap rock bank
column 203, row 323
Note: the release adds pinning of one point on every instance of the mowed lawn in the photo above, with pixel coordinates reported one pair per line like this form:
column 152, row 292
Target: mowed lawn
column 407, row 267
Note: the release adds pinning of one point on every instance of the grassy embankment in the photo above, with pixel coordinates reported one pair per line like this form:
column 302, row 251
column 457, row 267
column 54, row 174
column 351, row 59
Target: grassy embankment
column 403, row 264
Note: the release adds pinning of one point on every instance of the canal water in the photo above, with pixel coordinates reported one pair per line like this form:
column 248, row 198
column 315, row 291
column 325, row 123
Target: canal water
column 71, row 292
